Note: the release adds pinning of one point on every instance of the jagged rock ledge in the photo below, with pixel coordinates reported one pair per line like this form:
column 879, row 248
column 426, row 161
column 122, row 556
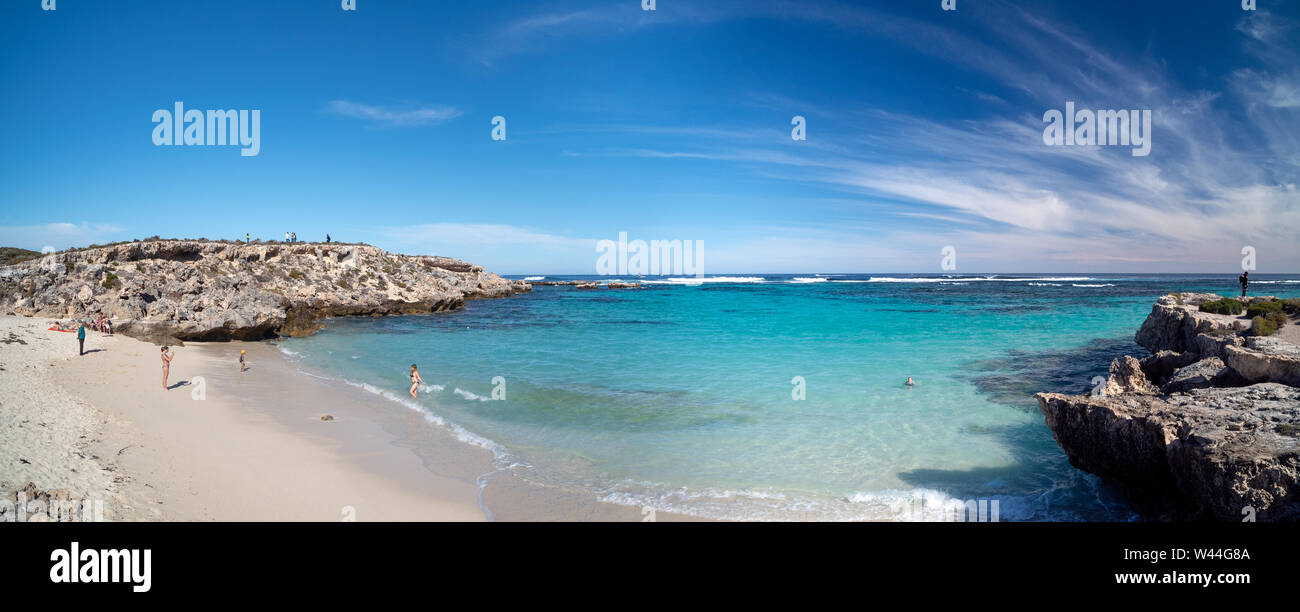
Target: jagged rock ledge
column 1205, row 428
column 162, row 290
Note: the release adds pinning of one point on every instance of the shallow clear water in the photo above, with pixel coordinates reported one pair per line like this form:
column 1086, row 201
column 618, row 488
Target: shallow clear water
column 679, row 396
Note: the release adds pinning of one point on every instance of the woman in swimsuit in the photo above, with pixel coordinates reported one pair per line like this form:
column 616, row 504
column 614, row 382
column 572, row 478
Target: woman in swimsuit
column 416, row 381
column 167, row 362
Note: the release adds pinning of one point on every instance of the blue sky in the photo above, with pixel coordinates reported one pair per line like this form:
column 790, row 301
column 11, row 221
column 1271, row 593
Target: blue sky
column 924, row 130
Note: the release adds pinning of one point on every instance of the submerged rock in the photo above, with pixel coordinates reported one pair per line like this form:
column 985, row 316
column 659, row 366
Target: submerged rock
column 161, row 290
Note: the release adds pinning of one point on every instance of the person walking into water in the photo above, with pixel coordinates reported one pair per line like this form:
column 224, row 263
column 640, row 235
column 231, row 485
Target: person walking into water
column 416, row 381
column 1244, row 279
column 81, row 339
column 167, row 363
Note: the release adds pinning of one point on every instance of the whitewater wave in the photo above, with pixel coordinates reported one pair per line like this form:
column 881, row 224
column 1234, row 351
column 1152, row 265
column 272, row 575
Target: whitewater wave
column 701, row 281
column 470, row 395
column 499, row 452
column 899, row 505
column 949, row 279
column 535, row 278
column 1101, row 285
column 806, row 279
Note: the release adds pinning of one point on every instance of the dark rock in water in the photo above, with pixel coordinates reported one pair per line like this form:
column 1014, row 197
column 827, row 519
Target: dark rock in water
column 1213, row 442
column 168, row 290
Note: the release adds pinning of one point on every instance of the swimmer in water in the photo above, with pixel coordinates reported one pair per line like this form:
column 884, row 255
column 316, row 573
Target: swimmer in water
column 909, row 382
column 416, row 381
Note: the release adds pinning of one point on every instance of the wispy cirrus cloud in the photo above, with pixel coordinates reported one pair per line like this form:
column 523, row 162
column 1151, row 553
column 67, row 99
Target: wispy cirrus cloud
column 393, row 116
column 1223, row 175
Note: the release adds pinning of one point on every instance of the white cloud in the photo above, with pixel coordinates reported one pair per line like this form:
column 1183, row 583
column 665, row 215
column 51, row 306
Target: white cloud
column 59, row 235
column 393, row 116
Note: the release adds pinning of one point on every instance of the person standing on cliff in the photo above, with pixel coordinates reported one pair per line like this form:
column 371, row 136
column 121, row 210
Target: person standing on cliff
column 1244, row 279
column 81, row 339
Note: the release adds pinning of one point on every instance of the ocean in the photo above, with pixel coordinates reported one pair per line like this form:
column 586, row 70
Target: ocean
column 774, row 397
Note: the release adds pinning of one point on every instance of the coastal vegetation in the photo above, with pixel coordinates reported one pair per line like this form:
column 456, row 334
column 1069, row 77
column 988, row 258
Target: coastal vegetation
column 1227, row 306
column 12, row 255
column 1260, row 326
column 1259, row 309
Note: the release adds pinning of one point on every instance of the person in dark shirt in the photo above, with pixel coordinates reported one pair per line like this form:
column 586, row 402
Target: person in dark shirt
column 1244, row 279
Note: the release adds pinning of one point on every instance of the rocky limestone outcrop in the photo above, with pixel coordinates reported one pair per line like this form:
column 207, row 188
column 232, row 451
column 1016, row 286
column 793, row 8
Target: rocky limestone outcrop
column 1175, row 322
column 1205, row 428
column 1265, row 359
column 201, row 290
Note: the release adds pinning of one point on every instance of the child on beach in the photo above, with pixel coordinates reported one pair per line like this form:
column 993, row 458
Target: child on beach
column 416, row 381
column 81, row 339
column 167, row 362
column 242, row 366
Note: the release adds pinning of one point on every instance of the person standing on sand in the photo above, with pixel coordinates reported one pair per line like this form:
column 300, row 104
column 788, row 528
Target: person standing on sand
column 167, row 362
column 81, row 339
column 1244, row 279
column 242, row 367
column 416, row 381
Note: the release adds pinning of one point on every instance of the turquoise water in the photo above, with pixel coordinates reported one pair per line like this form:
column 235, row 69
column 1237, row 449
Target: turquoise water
column 679, row 396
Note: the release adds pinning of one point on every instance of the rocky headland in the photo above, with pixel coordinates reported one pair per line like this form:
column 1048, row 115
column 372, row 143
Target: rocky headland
column 164, row 290
column 1207, row 427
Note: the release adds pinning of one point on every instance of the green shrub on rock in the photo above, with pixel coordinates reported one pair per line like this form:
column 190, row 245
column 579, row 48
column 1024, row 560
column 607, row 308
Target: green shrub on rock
column 1226, row 306
column 1278, row 318
column 1259, row 309
column 1291, row 306
column 1259, row 326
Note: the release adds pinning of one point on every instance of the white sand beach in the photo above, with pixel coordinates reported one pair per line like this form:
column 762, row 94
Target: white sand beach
column 102, row 427
column 229, row 446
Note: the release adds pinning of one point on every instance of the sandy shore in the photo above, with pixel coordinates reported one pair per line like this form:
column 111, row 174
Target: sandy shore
column 226, row 445
column 101, row 426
